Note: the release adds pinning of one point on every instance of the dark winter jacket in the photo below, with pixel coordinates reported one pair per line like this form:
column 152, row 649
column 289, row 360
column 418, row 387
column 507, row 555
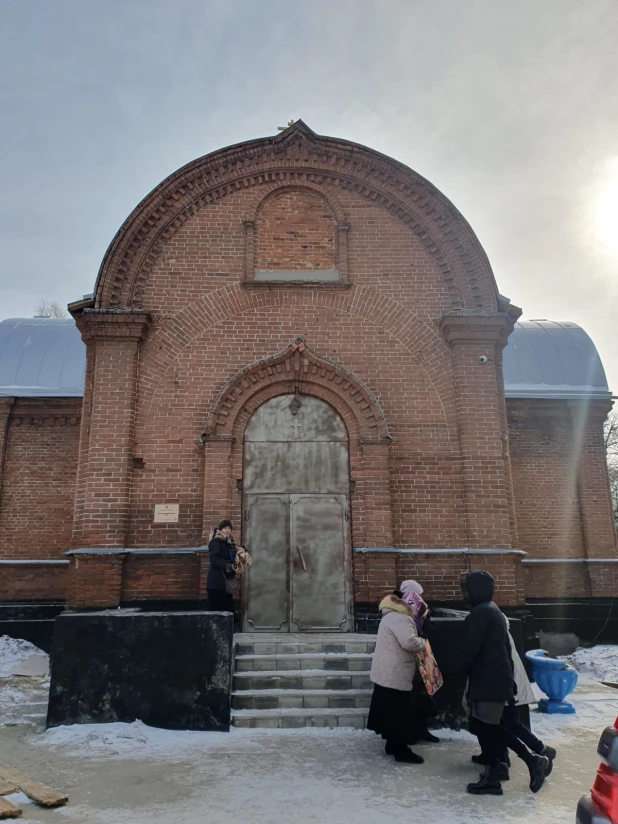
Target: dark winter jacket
column 222, row 554
column 487, row 655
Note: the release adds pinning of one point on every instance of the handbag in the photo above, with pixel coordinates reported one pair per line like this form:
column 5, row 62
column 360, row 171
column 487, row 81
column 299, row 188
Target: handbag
column 429, row 669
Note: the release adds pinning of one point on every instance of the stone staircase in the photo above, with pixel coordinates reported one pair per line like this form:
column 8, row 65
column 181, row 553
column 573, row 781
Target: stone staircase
column 285, row 681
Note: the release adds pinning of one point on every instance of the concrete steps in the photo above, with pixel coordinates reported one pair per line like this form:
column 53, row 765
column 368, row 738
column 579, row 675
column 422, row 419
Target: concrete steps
column 288, row 681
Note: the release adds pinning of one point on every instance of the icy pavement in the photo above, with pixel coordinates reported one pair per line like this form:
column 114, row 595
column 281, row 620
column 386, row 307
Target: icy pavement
column 134, row 774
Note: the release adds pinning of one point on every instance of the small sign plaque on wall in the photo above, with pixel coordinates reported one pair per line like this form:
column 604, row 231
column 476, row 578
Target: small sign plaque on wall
column 166, row 513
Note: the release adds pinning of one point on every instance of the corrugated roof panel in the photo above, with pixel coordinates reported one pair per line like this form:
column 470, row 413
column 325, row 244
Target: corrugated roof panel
column 547, row 359
column 45, row 357
column 41, row 357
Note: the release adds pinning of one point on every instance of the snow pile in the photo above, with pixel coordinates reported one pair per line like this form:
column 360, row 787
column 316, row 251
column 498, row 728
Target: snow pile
column 13, row 651
column 598, row 663
column 136, row 739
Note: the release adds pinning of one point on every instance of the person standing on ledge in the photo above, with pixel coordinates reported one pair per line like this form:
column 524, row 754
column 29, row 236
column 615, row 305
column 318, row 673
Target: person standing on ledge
column 222, row 581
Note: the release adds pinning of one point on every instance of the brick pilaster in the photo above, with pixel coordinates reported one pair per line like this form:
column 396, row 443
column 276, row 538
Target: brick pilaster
column 95, row 581
column 476, row 343
column 106, row 446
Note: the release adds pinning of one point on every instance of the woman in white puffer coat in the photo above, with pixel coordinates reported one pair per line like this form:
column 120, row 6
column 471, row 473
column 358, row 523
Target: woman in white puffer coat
column 392, row 672
column 525, row 695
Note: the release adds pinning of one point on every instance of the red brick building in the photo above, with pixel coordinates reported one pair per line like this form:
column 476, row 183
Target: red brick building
column 306, row 336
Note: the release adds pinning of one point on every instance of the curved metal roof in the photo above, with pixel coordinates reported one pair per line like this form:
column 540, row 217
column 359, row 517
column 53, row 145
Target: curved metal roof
column 41, row 358
column 45, row 357
column 547, row 359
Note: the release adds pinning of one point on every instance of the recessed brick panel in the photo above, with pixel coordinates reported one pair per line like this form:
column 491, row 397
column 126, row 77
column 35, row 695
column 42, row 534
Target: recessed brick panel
column 295, row 230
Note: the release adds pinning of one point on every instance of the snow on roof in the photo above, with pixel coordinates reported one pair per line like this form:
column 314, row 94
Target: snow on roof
column 45, row 357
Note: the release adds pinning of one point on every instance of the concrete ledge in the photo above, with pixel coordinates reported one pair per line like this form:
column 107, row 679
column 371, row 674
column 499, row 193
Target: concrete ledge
column 571, row 561
column 364, row 550
column 297, row 275
column 15, row 562
column 137, row 551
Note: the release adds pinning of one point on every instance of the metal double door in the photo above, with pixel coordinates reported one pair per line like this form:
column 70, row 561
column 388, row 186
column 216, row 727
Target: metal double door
column 299, row 578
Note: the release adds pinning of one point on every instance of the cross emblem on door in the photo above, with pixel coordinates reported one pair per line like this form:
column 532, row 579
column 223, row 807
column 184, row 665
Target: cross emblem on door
column 297, row 427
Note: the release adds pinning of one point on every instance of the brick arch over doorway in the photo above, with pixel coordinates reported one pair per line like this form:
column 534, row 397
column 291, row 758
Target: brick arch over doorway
column 295, row 157
column 425, row 344
column 299, row 370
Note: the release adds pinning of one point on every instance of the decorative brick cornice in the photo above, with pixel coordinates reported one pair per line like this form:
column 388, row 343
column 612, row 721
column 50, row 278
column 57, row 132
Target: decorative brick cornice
column 297, row 157
column 296, row 367
column 45, row 412
column 593, row 410
column 52, row 419
column 471, row 327
column 128, row 324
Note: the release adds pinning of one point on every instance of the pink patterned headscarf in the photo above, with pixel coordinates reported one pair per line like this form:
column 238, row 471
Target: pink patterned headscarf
column 413, row 598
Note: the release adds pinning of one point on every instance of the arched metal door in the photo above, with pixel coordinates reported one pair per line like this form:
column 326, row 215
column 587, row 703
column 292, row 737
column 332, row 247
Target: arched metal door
column 296, row 482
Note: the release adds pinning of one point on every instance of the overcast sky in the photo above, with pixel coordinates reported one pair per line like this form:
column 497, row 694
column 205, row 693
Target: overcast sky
column 510, row 107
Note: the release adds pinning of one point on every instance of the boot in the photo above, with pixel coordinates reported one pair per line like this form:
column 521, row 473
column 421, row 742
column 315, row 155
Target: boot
column 488, row 784
column 538, row 766
column 406, row 756
column 550, row 754
column 480, row 759
column 430, row 738
column 503, row 772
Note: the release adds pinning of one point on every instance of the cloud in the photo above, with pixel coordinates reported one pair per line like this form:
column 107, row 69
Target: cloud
column 506, row 107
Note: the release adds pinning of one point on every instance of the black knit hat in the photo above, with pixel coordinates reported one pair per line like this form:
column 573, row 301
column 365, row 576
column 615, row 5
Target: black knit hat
column 222, row 524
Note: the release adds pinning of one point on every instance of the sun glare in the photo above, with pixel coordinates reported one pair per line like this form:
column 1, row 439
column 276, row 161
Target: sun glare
column 606, row 209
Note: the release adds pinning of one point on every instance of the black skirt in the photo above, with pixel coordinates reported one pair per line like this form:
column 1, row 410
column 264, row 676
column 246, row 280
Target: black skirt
column 390, row 715
column 398, row 716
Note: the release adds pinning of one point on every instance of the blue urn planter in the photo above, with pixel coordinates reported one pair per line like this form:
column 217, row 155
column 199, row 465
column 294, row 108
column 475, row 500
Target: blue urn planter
column 556, row 679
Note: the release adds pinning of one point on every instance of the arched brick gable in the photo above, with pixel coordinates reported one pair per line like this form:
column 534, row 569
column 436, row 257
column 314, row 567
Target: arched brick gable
column 297, row 156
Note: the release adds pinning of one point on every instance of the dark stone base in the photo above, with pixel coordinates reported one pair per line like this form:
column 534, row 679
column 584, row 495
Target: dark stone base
column 32, row 622
column 168, row 669
column 447, row 637
column 593, row 620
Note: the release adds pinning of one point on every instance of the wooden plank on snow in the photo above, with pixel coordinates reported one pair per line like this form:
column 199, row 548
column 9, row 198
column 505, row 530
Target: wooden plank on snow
column 8, row 810
column 6, row 787
column 40, row 793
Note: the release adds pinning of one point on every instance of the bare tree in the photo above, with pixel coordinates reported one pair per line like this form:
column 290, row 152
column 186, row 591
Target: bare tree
column 611, row 447
column 50, row 309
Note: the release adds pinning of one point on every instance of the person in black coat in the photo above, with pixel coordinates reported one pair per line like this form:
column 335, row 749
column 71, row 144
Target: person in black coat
column 222, row 581
column 488, row 662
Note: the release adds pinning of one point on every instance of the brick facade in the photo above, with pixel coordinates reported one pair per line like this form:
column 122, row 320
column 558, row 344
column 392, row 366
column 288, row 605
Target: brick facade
column 185, row 342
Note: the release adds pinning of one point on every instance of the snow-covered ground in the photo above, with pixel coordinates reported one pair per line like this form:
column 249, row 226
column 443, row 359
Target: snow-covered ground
column 598, row 663
column 13, row 651
column 134, row 774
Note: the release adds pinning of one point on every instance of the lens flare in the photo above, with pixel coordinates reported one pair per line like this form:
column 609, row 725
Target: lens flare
column 606, row 209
